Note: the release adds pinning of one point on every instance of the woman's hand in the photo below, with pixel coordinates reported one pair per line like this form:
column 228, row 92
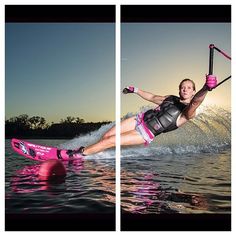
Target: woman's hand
column 130, row 89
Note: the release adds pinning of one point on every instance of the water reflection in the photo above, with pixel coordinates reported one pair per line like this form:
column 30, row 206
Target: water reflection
column 145, row 194
column 88, row 180
column 28, row 180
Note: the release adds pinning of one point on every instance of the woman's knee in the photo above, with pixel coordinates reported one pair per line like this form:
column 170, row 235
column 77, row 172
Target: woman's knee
column 110, row 140
column 109, row 133
column 105, row 136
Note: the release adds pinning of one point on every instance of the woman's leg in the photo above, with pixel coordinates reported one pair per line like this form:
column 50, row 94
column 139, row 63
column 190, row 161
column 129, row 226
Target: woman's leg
column 125, row 126
column 129, row 138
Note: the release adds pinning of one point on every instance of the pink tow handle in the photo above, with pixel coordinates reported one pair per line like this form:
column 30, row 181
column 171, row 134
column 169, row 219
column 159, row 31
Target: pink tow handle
column 211, row 81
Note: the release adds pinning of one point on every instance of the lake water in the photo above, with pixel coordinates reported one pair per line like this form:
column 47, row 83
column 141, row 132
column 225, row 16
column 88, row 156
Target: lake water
column 184, row 174
column 187, row 171
column 87, row 192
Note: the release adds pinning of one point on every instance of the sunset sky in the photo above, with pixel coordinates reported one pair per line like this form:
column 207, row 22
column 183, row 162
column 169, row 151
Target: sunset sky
column 56, row 70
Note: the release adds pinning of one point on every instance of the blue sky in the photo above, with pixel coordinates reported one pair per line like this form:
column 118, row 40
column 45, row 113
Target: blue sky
column 56, row 70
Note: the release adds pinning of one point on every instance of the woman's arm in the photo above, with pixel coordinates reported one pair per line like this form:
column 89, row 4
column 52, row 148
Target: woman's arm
column 157, row 99
column 196, row 101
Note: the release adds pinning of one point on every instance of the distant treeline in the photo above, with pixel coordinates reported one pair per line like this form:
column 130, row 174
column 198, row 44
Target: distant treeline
column 23, row 126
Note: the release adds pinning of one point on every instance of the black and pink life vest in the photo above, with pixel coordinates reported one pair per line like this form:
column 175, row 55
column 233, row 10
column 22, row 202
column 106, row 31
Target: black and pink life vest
column 163, row 119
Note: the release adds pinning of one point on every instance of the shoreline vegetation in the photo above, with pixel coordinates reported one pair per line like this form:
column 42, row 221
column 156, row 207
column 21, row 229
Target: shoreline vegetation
column 36, row 127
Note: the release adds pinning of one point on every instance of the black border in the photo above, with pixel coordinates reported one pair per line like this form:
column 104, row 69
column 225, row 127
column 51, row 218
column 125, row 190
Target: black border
column 175, row 13
column 175, row 222
column 59, row 13
column 60, row 222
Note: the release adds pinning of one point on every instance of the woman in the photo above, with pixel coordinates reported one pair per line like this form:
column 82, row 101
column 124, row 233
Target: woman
column 171, row 113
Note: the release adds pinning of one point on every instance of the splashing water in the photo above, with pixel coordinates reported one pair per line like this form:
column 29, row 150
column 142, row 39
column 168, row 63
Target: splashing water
column 91, row 138
column 208, row 132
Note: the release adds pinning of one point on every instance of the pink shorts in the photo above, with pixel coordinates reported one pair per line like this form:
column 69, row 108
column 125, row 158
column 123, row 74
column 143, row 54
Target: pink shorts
column 143, row 130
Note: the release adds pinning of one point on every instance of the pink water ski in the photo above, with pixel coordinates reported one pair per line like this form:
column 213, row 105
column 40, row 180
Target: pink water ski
column 40, row 152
